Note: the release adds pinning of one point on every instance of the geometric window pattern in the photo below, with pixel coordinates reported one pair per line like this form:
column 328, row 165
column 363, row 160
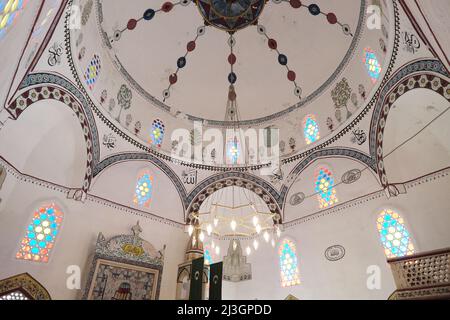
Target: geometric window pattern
column 9, row 12
column 144, row 189
column 208, row 257
column 16, row 295
column 372, row 64
column 41, row 234
column 157, row 134
column 394, row 236
column 93, row 72
column 288, row 264
column 233, row 151
column 325, row 188
column 311, row 129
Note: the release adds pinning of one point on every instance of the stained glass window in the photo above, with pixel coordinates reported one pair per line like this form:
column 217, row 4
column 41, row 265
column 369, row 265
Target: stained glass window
column 157, row 134
column 311, row 129
column 41, row 234
column 208, row 257
column 288, row 264
column 372, row 64
column 10, row 11
column 326, row 192
column 144, row 189
column 93, row 72
column 233, row 150
column 394, row 236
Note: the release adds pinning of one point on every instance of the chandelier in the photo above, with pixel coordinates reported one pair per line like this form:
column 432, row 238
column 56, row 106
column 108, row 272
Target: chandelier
column 235, row 213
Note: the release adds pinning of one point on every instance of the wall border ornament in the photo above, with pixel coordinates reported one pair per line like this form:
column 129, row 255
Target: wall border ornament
column 253, row 183
column 45, row 86
column 25, row 284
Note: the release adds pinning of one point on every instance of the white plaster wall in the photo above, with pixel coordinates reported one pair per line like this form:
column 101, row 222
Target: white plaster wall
column 46, row 142
column 76, row 241
column 425, row 209
column 422, row 116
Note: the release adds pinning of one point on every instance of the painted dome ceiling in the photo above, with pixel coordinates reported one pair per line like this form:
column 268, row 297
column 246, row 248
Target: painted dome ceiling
column 173, row 62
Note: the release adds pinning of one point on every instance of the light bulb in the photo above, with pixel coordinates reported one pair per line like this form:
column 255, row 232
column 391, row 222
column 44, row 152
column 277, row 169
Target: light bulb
column 255, row 244
column 217, row 250
column 233, row 225
column 278, row 232
column 258, row 229
column 248, row 250
column 266, row 236
column 216, row 222
column 209, row 229
column 190, row 229
column 201, row 236
column 255, row 220
column 234, row 245
column 194, row 241
column 273, row 243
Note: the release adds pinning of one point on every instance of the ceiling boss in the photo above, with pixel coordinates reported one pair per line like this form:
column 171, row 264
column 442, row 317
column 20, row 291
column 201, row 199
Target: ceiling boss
column 230, row 15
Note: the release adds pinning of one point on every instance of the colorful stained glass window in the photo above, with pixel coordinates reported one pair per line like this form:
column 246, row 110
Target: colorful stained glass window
column 326, row 192
column 288, row 264
column 93, row 72
column 372, row 64
column 41, row 234
column 233, row 150
column 394, row 236
column 311, row 129
column 144, row 189
column 10, row 11
column 157, row 134
column 208, row 257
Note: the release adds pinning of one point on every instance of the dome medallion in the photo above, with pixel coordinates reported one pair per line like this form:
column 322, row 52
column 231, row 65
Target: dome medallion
column 230, row 15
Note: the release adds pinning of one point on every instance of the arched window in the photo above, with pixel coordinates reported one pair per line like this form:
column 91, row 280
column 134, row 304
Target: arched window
column 288, row 264
column 93, row 72
column 326, row 192
column 372, row 64
column 311, row 129
column 10, row 10
column 233, row 150
column 394, row 236
column 41, row 234
column 208, row 257
column 157, row 134
column 144, row 189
